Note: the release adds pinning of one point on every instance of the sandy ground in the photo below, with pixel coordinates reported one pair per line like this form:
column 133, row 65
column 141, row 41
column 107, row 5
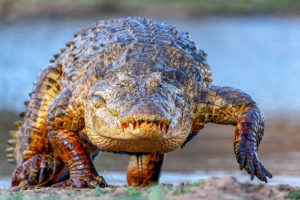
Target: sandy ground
column 214, row 188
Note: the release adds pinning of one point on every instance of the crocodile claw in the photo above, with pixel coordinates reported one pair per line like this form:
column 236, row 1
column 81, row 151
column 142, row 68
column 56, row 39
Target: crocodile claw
column 248, row 160
column 86, row 182
column 34, row 172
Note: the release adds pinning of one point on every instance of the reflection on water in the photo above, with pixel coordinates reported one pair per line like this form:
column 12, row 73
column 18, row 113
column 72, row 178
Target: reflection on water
column 259, row 55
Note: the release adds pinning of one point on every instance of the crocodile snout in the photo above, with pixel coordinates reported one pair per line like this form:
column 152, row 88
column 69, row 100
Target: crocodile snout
column 145, row 117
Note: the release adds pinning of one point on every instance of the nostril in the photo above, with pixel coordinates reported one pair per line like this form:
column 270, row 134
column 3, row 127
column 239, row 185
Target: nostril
column 153, row 81
column 143, row 111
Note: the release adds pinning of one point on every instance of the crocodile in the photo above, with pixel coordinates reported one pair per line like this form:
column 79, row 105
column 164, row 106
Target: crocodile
column 132, row 86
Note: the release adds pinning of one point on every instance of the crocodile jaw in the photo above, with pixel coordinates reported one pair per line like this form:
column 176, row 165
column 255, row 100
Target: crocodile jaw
column 110, row 133
column 138, row 146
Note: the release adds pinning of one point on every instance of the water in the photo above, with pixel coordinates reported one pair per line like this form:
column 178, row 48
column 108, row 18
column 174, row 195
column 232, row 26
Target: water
column 119, row 178
column 259, row 55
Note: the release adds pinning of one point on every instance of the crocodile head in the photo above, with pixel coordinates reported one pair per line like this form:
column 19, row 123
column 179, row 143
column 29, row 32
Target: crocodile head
column 137, row 113
column 145, row 112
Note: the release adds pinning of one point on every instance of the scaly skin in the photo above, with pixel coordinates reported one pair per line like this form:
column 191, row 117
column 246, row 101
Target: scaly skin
column 131, row 86
column 144, row 170
column 225, row 105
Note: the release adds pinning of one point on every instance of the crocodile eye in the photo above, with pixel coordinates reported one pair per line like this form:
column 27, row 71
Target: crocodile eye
column 154, row 80
column 98, row 101
column 126, row 80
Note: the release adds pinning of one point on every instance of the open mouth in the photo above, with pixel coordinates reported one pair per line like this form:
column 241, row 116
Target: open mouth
column 159, row 125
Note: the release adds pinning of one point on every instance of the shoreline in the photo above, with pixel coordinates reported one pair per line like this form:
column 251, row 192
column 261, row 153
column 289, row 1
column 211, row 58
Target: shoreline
column 118, row 178
column 213, row 188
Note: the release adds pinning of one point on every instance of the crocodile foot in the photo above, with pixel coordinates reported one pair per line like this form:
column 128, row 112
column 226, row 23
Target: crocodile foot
column 83, row 182
column 36, row 171
column 248, row 160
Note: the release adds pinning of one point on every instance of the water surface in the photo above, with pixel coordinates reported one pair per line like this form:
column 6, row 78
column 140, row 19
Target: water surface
column 259, row 55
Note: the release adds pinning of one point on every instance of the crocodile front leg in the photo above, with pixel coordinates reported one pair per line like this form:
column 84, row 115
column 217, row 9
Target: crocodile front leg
column 81, row 169
column 65, row 120
column 225, row 105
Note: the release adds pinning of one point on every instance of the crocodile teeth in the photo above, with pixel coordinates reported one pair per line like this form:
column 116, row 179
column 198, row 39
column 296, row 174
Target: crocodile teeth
column 162, row 126
column 167, row 128
column 134, row 125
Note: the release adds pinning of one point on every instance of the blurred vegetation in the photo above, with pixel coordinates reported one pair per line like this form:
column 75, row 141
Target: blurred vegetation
column 154, row 192
column 295, row 195
column 15, row 9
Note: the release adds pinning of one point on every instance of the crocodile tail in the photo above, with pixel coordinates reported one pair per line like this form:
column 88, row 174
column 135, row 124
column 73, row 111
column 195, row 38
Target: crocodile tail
column 11, row 152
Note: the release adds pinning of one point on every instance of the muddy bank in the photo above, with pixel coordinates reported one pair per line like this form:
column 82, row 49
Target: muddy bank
column 214, row 188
